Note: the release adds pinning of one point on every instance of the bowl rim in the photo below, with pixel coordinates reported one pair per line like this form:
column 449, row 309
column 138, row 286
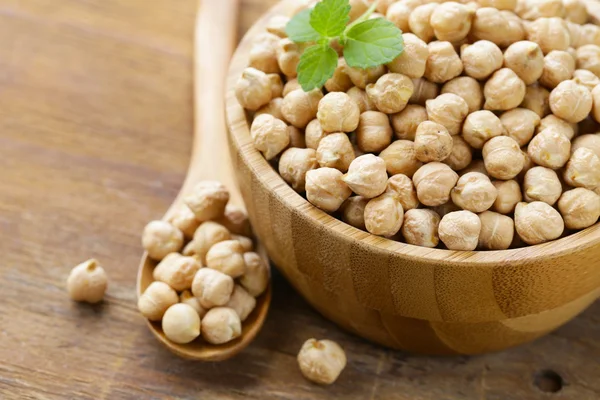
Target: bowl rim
column 239, row 136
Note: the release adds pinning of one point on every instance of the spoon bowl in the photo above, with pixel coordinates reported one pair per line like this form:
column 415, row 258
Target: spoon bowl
column 214, row 36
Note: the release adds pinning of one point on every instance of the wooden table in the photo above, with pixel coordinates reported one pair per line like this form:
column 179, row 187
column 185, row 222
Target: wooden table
column 95, row 132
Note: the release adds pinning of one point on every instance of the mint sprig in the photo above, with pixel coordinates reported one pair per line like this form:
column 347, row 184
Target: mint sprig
column 367, row 42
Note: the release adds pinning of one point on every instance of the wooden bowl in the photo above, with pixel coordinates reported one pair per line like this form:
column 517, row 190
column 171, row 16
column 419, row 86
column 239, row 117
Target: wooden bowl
column 406, row 297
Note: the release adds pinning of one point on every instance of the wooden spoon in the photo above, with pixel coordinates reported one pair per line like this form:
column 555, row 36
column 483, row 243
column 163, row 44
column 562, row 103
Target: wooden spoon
column 215, row 39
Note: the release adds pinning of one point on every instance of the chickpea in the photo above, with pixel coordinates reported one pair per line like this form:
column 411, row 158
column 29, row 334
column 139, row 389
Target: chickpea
column 374, row 132
column 358, row 8
column 509, row 195
column 221, row 325
column 538, row 222
column 537, row 99
column 256, row 278
column 321, row 361
column 461, row 154
column 293, row 165
column 411, row 62
column 296, row 137
column 156, row 299
column 241, row 302
column 313, row 134
column 184, row 219
column 263, row 54
column 361, row 99
column 208, row 234
column 596, row 103
column 580, row 208
column 273, row 108
column 384, row 5
column 212, row 288
column 497, row 231
column 526, row 60
column 391, row 92
column 460, row 230
column 433, row 182
column 586, row 78
column 353, row 211
column 549, row 33
column 467, row 88
column 499, row 4
column 534, row 9
column 335, row 151
column 367, row 176
column 558, row 66
column 520, row 124
column 326, row 189
column 432, row 142
column 338, row 113
column 418, row 21
column 363, row 77
column 161, row 238
column 270, row 135
column 589, row 141
column 253, row 89
column 87, row 282
column 542, row 184
column 300, row 107
column 571, row 102
column 399, row 12
column 503, row 158
column 402, row 187
column 451, row 21
column 423, row 91
column 181, row 323
column 290, row 86
column 474, row 192
column 400, row 158
column 227, row 257
column 277, row 24
column 405, row 122
column 420, row 228
column 475, row 166
column 443, row 63
column 504, row 90
column 500, row 27
column 235, row 219
column 481, row 59
column 340, row 81
column 575, row 11
column 588, row 57
column 481, row 126
column 288, row 56
column 583, row 169
column 588, row 34
column 177, row 271
column 448, row 110
column 384, row 215
column 553, row 122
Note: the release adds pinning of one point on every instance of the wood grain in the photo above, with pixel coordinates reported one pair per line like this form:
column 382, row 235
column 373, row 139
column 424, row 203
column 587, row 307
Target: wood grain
column 95, row 139
column 429, row 300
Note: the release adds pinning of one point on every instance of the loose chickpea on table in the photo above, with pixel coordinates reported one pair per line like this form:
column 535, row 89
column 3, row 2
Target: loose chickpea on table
column 487, row 116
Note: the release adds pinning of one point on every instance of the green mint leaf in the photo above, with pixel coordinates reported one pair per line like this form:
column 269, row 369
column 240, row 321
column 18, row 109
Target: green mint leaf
column 317, row 64
column 329, row 17
column 299, row 29
column 372, row 43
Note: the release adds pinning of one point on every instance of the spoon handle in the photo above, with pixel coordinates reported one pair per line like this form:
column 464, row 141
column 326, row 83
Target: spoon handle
column 214, row 41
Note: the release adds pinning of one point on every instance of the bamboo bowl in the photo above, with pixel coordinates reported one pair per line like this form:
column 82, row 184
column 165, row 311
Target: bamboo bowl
column 406, row 297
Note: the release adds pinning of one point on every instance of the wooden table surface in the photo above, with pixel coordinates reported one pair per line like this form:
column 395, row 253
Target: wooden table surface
column 95, row 133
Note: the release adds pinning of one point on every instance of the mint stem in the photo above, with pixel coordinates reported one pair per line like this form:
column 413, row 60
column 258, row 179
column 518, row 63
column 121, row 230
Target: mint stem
column 362, row 18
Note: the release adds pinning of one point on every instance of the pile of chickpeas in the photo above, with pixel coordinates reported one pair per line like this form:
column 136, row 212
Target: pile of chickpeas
column 208, row 286
column 486, row 124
